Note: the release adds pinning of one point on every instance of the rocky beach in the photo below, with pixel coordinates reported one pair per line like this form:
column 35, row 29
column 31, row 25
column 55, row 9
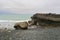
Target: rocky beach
column 31, row 34
column 43, row 27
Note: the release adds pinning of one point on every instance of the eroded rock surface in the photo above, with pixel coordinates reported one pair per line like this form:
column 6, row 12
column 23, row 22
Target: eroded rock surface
column 21, row 25
column 48, row 20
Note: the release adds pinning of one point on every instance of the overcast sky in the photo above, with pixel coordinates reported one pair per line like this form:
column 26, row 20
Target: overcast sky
column 30, row 6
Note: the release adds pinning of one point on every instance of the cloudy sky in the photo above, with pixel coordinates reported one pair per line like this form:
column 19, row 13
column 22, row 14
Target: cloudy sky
column 30, row 6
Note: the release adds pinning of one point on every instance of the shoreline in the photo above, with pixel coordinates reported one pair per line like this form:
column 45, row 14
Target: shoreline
column 10, row 23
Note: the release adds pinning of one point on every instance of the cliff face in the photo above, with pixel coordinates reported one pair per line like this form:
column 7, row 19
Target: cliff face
column 46, row 19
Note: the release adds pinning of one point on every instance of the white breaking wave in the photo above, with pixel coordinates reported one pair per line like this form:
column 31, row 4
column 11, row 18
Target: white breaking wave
column 9, row 24
column 13, row 20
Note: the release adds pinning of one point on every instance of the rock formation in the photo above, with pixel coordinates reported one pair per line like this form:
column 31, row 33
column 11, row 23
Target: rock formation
column 46, row 19
column 40, row 19
column 21, row 25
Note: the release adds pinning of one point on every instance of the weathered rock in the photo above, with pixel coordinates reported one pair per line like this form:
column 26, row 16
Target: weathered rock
column 31, row 22
column 44, row 19
column 21, row 25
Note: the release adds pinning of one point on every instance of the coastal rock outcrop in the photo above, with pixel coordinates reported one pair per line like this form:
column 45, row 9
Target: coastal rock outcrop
column 40, row 19
column 21, row 25
column 44, row 19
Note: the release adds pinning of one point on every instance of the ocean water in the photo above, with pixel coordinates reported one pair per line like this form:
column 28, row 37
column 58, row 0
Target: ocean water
column 15, row 16
column 8, row 20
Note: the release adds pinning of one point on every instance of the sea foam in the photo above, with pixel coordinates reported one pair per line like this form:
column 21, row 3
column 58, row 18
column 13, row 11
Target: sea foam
column 13, row 20
column 9, row 24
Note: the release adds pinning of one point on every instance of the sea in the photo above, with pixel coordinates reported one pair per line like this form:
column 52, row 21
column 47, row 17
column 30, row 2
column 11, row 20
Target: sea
column 7, row 21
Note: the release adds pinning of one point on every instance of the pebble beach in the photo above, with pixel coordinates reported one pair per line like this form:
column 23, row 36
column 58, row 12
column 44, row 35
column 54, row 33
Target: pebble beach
column 29, row 34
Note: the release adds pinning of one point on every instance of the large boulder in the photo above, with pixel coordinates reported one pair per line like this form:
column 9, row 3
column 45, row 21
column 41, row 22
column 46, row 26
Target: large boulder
column 21, row 25
column 44, row 19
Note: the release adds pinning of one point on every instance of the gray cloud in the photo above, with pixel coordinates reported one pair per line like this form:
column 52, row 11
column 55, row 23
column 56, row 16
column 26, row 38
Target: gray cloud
column 30, row 6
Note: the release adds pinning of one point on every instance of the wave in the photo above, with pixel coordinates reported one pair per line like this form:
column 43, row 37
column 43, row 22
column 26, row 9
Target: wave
column 13, row 20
